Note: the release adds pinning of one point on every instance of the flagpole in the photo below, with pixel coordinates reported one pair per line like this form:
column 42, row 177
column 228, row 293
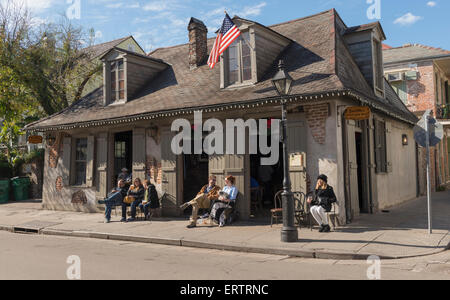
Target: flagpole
column 247, row 42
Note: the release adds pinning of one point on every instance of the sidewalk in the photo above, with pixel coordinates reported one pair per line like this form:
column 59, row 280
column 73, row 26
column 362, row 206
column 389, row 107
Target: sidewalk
column 400, row 233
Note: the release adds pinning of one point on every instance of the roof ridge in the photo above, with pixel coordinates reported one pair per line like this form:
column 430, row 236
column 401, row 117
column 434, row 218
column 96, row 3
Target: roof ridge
column 116, row 40
column 419, row 45
column 270, row 26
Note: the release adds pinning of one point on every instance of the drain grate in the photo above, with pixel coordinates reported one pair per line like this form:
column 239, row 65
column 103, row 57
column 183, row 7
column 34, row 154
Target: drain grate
column 33, row 227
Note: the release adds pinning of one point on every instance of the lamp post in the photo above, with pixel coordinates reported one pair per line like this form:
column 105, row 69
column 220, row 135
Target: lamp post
column 283, row 84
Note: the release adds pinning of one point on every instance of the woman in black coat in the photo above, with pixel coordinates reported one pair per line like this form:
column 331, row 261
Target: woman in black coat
column 322, row 202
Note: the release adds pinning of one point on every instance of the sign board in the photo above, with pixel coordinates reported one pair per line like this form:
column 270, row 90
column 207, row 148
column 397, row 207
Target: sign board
column 357, row 113
column 296, row 160
column 436, row 132
column 35, row 139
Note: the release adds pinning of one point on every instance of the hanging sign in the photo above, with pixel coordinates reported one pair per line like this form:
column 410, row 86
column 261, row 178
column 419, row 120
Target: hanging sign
column 35, row 139
column 357, row 113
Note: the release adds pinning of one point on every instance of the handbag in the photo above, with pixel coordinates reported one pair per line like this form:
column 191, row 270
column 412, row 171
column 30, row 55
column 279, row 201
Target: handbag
column 129, row 200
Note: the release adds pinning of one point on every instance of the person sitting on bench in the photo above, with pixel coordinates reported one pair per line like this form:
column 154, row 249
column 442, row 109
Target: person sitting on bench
column 115, row 198
column 208, row 194
column 227, row 201
column 321, row 202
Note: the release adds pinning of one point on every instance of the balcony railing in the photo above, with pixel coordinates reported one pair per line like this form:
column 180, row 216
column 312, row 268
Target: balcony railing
column 443, row 111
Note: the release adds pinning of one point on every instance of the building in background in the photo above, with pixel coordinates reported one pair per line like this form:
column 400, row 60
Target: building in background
column 420, row 76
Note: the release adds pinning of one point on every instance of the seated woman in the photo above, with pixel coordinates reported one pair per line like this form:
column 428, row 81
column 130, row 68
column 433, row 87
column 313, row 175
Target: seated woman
column 226, row 202
column 115, row 198
column 151, row 200
column 137, row 192
column 321, row 202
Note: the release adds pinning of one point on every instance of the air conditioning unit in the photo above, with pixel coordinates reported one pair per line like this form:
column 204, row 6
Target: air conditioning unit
column 399, row 76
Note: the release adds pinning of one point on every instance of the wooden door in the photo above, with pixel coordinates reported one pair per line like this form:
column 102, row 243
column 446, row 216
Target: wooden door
column 297, row 146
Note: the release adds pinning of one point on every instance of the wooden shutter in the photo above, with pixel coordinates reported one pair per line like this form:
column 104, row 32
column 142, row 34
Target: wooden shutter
column 388, row 147
column 102, row 165
column 377, row 147
column 90, row 161
column 170, row 181
column 297, row 143
column 66, row 160
column 139, row 153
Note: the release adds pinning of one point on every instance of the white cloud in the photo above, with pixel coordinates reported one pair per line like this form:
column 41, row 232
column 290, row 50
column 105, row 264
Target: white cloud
column 251, row 11
column 156, row 6
column 431, row 3
column 407, row 19
column 34, row 5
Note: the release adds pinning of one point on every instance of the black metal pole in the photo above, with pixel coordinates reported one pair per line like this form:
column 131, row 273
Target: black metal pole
column 289, row 233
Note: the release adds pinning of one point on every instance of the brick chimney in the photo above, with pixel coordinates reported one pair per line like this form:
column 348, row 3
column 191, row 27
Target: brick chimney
column 198, row 44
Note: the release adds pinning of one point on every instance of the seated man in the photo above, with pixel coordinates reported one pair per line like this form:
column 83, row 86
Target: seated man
column 209, row 193
column 115, row 198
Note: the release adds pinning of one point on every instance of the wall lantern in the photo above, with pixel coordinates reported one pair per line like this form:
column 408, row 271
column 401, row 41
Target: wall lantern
column 404, row 140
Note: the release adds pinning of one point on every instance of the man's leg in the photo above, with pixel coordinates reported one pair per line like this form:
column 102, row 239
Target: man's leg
column 108, row 209
column 124, row 211
column 198, row 202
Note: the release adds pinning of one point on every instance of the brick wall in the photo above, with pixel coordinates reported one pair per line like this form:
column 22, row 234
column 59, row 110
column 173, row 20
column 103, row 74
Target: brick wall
column 317, row 115
column 421, row 92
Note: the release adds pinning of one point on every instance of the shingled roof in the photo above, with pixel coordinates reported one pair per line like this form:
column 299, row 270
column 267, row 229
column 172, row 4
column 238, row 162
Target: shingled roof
column 412, row 52
column 318, row 60
column 97, row 50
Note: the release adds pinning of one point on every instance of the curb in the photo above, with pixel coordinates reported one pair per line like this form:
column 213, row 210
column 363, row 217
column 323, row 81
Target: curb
column 317, row 254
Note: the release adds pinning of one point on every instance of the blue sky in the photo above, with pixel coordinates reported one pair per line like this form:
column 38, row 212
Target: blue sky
column 164, row 23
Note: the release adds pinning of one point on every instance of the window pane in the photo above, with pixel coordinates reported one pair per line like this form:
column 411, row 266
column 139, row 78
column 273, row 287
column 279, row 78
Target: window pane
column 121, row 75
column 80, row 168
column 233, row 64
column 120, row 65
column 81, row 149
column 121, row 95
column 121, row 85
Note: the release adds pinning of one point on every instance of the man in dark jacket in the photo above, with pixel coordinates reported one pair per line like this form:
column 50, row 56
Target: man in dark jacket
column 322, row 202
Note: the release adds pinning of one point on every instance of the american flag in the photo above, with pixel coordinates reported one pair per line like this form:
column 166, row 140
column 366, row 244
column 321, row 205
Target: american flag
column 226, row 36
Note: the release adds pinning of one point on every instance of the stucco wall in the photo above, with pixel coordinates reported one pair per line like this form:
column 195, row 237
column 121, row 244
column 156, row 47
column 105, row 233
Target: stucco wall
column 400, row 185
column 58, row 196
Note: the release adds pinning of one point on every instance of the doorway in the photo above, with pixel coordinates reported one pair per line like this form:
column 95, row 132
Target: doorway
column 363, row 203
column 123, row 152
column 195, row 174
column 265, row 181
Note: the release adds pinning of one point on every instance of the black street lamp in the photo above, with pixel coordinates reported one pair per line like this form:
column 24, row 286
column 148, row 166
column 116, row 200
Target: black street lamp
column 283, row 84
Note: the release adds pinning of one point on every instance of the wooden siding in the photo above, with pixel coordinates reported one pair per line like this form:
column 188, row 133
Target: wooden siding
column 362, row 53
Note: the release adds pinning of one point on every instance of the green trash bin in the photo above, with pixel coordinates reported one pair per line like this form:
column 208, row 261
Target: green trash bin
column 4, row 190
column 21, row 187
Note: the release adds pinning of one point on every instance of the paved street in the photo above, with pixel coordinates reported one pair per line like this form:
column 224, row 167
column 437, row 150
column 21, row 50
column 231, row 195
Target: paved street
column 44, row 257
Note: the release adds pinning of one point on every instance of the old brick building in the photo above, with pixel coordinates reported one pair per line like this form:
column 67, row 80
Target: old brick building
column 420, row 75
column 127, row 120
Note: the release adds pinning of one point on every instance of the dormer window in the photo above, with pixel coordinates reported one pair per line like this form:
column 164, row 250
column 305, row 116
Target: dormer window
column 239, row 60
column 125, row 73
column 117, row 81
column 251, row 55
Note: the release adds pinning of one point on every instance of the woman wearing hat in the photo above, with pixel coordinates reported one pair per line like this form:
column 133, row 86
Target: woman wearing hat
column 321, row 202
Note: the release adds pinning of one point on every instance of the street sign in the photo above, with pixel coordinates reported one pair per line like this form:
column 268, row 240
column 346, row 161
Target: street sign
column 35, row 139
column 357, row 113
column 428, row 133
column 436, row 132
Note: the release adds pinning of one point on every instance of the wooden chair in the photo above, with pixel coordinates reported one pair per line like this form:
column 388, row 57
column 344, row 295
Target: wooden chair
column 276, row 212
column 256, row 199
column 332, row 216
column 300, row 206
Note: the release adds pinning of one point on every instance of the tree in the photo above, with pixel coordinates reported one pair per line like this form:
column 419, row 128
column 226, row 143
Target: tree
column 48, row 61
